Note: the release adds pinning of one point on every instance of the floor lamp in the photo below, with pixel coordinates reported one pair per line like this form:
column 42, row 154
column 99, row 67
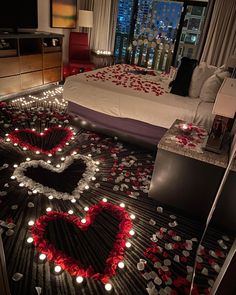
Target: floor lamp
column 232, row 155
column 85, row 20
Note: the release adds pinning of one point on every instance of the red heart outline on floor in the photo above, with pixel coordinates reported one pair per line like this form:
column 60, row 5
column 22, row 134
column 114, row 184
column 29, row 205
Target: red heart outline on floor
column 74, row 267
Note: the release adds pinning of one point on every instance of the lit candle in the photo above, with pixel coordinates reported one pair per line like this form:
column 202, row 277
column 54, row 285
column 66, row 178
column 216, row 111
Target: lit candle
column 79, row 279
column 104, row 200
column 50, row 197
column 132, row 232
column 31, row 222
column 83, row 220
column 70, row 212
column 49, row 209
column 122, row 205
column 42, row 257
column 121, row 264
column 73, row 201
column 86, row 208
column 108, row 287
column 132, row 216
column 128, row 244
column 30, row 240
column 57, row 269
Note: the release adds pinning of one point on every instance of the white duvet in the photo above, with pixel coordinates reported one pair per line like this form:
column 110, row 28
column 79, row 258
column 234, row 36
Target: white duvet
column 104, row 96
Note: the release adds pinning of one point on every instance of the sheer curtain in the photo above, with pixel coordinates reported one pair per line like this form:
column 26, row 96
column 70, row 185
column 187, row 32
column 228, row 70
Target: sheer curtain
column 102, row 35
column 221, row 38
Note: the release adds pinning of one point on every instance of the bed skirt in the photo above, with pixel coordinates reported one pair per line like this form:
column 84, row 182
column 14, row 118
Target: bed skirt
column 128, row 128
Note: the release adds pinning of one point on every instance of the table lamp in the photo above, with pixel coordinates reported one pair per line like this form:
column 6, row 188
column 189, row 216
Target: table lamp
column 85, row 18
column 224, row 108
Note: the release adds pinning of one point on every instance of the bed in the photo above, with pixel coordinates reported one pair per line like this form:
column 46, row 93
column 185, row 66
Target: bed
column 133, row 101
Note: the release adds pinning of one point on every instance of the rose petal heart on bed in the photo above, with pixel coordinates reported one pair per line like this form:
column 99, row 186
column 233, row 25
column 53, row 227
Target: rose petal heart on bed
column 76, row 171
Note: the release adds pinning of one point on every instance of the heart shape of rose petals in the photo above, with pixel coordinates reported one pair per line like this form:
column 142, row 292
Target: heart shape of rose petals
column 42, row 172
column 47, row 142
column 73, row 266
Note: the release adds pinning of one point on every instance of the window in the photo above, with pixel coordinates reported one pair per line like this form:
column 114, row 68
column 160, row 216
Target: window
column 158, row 33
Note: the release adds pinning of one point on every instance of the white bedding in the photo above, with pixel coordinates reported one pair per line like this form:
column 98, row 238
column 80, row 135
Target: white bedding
column 103, row 95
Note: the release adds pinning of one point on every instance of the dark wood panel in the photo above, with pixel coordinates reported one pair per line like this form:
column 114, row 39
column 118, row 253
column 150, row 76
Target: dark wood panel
column 52, row 60
column 52, row 75
column 9, row 66
column 9, row 85
column 190, row 186
column 31, row 63
column 31, row 79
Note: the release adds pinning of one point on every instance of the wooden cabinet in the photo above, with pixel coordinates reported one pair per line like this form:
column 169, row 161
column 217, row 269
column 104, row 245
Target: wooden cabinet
column 30, row 60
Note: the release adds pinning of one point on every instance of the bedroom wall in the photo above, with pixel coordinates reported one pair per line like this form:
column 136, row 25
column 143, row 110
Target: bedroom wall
column 44, row 25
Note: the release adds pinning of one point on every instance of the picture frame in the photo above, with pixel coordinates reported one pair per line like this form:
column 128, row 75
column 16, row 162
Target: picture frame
column 63, row 14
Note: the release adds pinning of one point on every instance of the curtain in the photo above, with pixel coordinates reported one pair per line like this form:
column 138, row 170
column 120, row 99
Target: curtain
column 105, row 17
column 221, row 38
column 102, row 35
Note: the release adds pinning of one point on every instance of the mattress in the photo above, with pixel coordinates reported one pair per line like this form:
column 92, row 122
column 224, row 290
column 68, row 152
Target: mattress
column 122, row 92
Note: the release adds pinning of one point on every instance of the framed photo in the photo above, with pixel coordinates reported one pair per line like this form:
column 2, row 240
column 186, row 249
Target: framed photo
column 63, row 14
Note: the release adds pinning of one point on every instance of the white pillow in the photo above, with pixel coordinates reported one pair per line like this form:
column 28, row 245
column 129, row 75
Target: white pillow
column 200, row 74
column 212, row 85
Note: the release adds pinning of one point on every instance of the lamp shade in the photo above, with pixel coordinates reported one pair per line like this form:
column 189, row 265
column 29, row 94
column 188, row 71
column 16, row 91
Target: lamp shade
column 225, row 104
column 85, row 19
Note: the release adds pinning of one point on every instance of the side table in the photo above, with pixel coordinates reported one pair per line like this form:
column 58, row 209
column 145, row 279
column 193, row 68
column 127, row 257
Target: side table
column 187, row 180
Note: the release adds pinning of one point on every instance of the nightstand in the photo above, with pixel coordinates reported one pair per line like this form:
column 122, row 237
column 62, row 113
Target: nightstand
column 187, row 178
column 102, row 60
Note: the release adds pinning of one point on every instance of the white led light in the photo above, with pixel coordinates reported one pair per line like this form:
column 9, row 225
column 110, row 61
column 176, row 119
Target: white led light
column 108, row 287
column 70, row 211
column 42, row 257
column 31, row 222
column 93, row 178
column 104, row 200
column 62, row 159
column 97, row 162
column 13, row 177
column 49, row 162
column 73, row 201
column 122, row 205
column 128, row 244
column 86, row 208
column 6, row 134
column 37, row 152
column 30, row 240
column 86, row 186
column 132, row 232
column 28, row 159
column 25, row 148
column 121, row 264
column 58, row 165
column 49, row 209
column 15, row 165
column 15, row 144
column 79, row 279
column 132, row 216
column 57, row 269
column 49, row 155
column 83, row 220
column 35, row 191
column 33, row 129
column 89, row 155
column 8, row 139
column 21, row 184
column 50, row 197
column 74, row 153
column 41, row 133
column 97, row 169
column 67, row 143
column 16, row 129
column 59, row 150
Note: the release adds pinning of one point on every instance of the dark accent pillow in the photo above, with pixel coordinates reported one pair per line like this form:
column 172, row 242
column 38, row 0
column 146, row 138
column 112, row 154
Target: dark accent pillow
column 181, row 84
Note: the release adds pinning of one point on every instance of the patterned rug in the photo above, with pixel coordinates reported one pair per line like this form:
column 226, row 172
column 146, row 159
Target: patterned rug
column 75, row 213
